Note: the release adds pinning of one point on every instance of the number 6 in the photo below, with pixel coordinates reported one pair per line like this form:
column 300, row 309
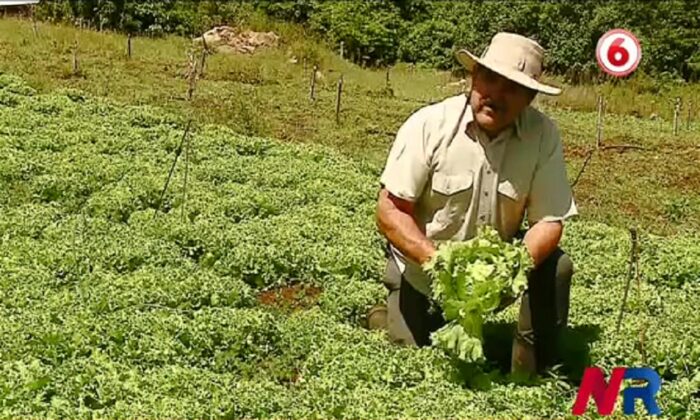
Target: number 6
column 615, row 49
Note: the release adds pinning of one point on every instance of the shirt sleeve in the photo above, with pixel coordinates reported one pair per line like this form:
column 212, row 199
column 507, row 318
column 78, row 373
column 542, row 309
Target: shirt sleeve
column 550, row 197
column 408, row 165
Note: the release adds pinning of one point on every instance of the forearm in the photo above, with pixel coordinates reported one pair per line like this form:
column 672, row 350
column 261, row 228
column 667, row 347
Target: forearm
column 542, row 239
column 401, row 229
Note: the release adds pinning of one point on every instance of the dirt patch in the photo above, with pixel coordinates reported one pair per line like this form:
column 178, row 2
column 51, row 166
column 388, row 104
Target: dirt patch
column 575, row 151
column 292, row 297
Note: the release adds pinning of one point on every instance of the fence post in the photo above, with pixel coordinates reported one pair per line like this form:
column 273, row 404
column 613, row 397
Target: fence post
column 205, row 52
column 599, row 123
column 342, row 49
column 76, row 63
column 337, row 99
column 676, row 114
column 128, row 46
column 312, row 90
column 191, row 75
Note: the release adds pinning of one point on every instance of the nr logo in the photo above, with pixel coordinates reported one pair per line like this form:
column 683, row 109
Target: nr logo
column 605, row 393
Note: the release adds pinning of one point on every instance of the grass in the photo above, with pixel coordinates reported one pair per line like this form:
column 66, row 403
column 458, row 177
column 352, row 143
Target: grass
column 266, row 95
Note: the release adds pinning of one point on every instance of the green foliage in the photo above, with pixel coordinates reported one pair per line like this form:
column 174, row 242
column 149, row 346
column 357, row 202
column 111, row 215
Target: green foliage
column 470, row 279
column 147, row 17
column 429, row 31
column 368, row 29
column 108, row 312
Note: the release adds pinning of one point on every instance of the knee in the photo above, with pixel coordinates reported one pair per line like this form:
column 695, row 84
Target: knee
column 565, row 268
column 392, row 275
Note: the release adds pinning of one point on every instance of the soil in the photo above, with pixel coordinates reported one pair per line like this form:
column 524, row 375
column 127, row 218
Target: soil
column 292, row 297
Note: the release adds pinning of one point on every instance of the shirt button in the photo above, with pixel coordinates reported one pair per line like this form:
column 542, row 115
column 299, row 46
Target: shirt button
column 486, row 193
column 488, row 172
column 482, row 218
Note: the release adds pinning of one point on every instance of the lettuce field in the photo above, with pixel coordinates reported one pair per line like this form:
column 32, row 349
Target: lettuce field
column 242, row 293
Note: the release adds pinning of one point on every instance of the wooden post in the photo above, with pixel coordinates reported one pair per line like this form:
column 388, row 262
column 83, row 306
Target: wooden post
column 388, row 82
column 337, row 99
column 599, row 123
column 676, row 114
column 76, row 63
column 342, row 49
column 312, row 90
column 191, row 75
column 203, row 60
column 128, row 46
column 632, row 268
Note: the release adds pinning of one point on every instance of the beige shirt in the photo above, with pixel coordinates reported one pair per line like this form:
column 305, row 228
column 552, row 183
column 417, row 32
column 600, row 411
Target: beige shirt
column 459, row 179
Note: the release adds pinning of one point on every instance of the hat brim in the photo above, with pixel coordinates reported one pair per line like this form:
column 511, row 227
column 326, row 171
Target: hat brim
column 468, row 60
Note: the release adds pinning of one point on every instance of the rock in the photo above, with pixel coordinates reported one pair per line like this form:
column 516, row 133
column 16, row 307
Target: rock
column 227, row 39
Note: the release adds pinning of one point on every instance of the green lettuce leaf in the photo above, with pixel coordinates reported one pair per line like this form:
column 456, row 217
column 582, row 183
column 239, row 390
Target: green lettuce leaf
column 469, row 281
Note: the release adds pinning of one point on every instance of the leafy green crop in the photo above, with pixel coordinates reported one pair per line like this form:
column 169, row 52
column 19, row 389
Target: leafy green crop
column 108, row 312
column 470, row 280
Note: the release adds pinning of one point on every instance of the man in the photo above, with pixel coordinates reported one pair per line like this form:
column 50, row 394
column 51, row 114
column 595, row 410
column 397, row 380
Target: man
column 486, row 158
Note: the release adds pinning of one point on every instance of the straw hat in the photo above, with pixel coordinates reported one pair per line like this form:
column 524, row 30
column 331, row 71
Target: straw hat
column 514, row 57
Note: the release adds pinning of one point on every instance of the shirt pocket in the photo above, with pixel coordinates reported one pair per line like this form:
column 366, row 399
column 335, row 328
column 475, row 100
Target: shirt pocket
column 511, row 206
column 451, row 197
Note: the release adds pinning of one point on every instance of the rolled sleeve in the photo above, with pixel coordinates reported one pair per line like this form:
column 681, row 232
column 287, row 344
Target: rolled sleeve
column 550, row 197
column 408, row 164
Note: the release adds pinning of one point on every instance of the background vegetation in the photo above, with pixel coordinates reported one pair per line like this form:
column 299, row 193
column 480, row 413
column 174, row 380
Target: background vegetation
column 266, row 95
column 423, row 31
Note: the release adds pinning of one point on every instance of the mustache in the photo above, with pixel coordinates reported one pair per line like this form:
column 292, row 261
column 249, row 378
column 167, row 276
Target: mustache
column 496, row 106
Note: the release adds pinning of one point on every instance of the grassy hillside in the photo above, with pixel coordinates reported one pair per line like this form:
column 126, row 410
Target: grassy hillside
column 266, row 95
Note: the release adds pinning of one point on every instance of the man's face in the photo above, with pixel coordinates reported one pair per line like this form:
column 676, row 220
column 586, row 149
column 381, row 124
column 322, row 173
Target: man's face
column 496, row 101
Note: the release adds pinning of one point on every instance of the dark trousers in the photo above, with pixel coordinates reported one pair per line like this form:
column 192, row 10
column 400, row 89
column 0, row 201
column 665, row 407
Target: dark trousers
column 544, row 312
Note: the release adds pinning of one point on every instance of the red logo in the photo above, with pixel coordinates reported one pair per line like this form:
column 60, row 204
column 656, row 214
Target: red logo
column 618, row 52
column 605, row 394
